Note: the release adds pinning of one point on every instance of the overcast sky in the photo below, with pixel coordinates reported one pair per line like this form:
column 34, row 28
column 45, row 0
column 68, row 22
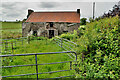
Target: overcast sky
column 15, row 9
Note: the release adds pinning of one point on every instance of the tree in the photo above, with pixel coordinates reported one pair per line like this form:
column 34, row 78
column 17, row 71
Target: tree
column 24, row 20
column 83, row 21
column 91, row 20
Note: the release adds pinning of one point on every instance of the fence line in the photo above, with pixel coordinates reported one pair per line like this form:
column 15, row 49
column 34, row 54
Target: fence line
column 10, row 44
column 36, row 64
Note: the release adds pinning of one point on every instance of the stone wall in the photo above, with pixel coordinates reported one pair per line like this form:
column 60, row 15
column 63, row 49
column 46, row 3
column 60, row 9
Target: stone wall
column 43, row 28
column 29, row 28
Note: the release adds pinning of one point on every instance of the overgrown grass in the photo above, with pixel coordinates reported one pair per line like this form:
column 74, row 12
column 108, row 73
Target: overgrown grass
column 36, row 46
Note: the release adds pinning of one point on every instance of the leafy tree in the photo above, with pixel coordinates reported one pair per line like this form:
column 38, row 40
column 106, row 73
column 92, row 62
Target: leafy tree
column 24, row 20
column 83, row 21
column 115, row 11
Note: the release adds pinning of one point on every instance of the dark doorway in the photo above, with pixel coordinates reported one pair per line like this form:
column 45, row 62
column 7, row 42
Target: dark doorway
column 35, row 33
column 51, row 33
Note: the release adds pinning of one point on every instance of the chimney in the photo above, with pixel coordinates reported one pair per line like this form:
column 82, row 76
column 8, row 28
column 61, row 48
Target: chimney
column 29, row 12
column 78, row 11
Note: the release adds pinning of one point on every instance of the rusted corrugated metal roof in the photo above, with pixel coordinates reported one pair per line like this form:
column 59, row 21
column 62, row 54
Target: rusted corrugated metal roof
column 72, row 17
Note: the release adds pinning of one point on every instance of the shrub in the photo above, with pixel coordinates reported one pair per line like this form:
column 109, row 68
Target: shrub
column 100, row 46
column 70, row 36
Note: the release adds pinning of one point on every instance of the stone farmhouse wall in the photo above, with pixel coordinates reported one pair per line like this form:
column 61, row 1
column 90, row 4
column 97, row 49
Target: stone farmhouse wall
column 43, row 28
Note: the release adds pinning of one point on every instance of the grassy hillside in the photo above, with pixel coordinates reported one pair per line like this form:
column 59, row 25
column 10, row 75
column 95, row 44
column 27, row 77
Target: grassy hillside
column 11, row 29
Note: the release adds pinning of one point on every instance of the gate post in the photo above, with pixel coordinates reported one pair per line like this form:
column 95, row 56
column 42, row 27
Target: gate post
column 36, row 65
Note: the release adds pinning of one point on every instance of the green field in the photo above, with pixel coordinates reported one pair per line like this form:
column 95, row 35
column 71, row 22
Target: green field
column 11, row 29
column 36, row 46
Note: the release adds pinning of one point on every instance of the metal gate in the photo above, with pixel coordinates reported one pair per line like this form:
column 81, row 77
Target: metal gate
column 67, row 45
column 37, row 73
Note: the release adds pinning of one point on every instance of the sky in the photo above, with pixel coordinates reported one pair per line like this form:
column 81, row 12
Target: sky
column 11, row 10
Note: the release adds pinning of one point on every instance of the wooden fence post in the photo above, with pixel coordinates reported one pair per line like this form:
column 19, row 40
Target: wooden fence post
column 28, row 39
column 46, row 41
column 12, row 46
column 5, row 45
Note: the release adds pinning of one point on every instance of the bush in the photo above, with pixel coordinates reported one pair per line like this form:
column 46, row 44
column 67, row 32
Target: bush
column 83, row 21
column 100, row 46
column 70, row 36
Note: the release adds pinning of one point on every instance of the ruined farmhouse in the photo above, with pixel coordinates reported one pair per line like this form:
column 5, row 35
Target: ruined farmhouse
column 50, row 24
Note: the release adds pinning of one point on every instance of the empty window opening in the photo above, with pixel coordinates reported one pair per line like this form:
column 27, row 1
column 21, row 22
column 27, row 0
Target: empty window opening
column 51, row 24
column 51, row 33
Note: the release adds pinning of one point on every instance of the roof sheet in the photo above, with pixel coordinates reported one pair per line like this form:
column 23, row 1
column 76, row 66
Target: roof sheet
column 72, row 17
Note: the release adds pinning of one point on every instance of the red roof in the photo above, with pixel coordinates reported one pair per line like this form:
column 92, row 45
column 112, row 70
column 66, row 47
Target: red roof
column 72, row 17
